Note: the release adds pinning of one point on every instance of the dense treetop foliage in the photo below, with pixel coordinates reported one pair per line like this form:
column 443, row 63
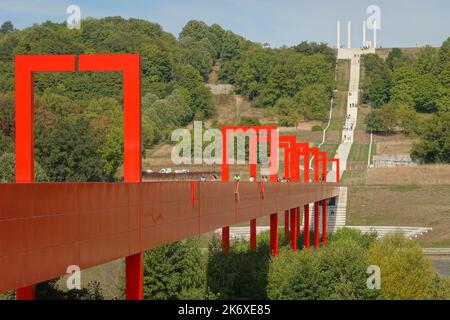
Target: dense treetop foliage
column 404, row 87
column 297, row 82
column 79, row 115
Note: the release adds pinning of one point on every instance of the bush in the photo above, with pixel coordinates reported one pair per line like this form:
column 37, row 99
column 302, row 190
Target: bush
column 406, row 273
column 49, row 290
column 335, row 272
column 239, row 274
column 175, row 271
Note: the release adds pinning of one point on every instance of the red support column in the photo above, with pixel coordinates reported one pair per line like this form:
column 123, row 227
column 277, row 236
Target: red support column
column 286, row 225
column 324, row 222
column 26, row 293
column 297, row 219
column 316, row 224
column 306, row 227
column 25, row 66
column 293, row 230
column 253, row 235
column 226, row 239
column 274, row 234
column 134, row 270
column 225, row 168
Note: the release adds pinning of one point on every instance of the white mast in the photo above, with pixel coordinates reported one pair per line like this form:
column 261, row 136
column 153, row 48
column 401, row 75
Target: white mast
column 364, row 33
column 349, row 34
column 375, row 34
column 338, row 35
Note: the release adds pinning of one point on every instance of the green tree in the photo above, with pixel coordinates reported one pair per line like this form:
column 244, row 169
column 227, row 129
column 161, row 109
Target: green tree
column 427, row 94
column 408, row 119
column 313, row 102
column 434, row 141
column 404, row 82
column 335, row 272
column 175, row 271
column 383, row 120
column 287, row 112
column 49, row 290
column 69, row 152
column 427, row 61
column 8, row 169
column 6, row 27
column 377, row 82
column 405, row 271
column 7, row 115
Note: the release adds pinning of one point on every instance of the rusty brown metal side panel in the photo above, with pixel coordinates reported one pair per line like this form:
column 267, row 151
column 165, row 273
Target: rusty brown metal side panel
column 44, row 228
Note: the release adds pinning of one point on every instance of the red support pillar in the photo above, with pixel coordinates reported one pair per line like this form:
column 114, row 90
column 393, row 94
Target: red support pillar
column 316, row 224
column 225, row 168
column 306, row 227
column 286, row 225
column 324, row 222
column 26, row 293
column 274, row 234
column 25, row 66
column 226, row 239
column 134, row 270
column 297, row 219
column 293, row 230
column 253, row 235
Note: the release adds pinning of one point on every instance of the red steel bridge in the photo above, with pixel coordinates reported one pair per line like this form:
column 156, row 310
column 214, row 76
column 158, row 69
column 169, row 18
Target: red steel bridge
column 46, row 227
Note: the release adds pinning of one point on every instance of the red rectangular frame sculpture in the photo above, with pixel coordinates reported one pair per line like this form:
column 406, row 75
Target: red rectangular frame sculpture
column 129, row 65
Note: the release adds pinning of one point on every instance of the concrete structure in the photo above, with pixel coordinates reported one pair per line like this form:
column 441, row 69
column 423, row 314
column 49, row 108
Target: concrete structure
column 382, row 231
column 389, row 161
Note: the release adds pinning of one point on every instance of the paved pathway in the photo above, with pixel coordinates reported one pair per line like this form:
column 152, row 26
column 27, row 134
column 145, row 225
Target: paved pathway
column 347, row 138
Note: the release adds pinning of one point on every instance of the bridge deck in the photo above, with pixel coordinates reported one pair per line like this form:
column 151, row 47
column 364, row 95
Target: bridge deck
column 46, row 227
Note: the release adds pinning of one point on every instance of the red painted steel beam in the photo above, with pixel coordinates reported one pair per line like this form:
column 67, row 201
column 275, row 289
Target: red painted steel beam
column 324, row 223
column 306, row 231
column 274, row 234
column 25, row 67
column 286, row 225
column 129, row 65
column 226, row 239
column 253, row 235
column 293, row 230
column 45, row 227
column 316, row 225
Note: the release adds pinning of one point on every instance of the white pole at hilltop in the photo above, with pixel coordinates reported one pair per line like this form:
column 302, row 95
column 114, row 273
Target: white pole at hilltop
column 364, row 33
column 338, row 35
column 375, row 34
column 349, row 34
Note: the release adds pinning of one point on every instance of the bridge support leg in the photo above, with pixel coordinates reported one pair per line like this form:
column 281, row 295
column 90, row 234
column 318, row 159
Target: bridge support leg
column 324, row 223
column 253, row 235
column 26, row 293
column 286, row 225
column 274, row 234
column 316, row 224
column 226, row 239
column 134, row 269
column 306, row 227
column 293, row 230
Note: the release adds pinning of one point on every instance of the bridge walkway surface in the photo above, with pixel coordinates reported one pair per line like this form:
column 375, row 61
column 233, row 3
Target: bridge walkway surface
column 46, row 227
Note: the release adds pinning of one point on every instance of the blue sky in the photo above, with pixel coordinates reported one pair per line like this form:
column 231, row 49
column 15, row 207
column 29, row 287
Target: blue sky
column 278, row 22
